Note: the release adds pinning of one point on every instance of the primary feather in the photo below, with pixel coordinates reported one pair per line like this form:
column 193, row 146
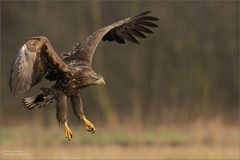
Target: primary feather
column 120, row 31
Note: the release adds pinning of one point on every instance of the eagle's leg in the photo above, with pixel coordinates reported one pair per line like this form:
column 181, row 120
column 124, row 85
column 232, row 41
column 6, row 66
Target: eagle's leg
column 78, row 111
column 62, row 113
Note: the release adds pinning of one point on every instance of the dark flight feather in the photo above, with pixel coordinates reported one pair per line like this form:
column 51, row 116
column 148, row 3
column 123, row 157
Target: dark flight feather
column 143, row 13
column 137, row 33
column 118, row 38
column 127, row 36
column 146, row 23
column 148, row 18
column 143, row 29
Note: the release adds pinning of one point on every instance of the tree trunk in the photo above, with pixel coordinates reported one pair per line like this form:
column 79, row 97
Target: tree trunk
column 105, row 101
column 136, row 76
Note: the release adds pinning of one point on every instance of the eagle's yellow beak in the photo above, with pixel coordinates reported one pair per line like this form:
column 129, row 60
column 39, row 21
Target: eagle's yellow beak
column 100, row 82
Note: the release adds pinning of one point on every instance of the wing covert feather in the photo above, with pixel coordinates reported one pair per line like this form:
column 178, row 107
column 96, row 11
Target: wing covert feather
column 32, row 62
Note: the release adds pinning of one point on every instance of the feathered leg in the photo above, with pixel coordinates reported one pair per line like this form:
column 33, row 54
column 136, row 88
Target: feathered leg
column 62, row 113
column 78, row 111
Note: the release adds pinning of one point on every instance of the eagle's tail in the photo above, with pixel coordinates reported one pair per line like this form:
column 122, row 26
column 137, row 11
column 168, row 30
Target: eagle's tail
column 41, row 100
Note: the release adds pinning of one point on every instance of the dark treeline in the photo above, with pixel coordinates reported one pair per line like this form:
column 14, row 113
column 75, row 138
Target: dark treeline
column 186, row 70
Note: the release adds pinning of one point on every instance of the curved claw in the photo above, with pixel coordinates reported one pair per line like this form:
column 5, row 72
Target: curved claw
column 68, row 132
column 91, row 129
column 89, row 125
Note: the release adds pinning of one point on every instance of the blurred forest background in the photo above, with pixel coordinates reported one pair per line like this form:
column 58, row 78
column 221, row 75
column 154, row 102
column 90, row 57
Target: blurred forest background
column 185, row 73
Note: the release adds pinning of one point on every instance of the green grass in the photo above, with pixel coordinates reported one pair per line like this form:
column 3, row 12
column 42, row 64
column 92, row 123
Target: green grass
column 121, row 143
column 103, row 136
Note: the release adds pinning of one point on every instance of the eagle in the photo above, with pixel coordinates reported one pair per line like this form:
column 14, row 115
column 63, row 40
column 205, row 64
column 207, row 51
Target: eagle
column 71, row 71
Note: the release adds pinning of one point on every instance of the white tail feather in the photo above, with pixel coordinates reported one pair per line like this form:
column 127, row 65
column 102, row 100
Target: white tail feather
column 40, row 100
column 28, row 102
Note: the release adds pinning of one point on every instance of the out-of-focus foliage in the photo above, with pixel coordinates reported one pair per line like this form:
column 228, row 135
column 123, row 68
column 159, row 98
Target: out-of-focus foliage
column 187, row 69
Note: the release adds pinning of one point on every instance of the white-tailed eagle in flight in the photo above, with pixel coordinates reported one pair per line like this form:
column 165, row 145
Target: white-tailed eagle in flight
column 71, row 72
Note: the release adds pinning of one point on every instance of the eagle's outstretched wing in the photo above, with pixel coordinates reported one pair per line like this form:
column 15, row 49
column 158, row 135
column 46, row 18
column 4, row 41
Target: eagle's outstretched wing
column 119, row 31
column 32, row 62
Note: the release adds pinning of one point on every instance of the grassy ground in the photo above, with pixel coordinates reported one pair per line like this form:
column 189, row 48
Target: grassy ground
column 195, row 142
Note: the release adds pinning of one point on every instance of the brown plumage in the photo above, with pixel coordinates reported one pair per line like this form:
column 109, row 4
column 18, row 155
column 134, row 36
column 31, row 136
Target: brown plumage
column 72, row 71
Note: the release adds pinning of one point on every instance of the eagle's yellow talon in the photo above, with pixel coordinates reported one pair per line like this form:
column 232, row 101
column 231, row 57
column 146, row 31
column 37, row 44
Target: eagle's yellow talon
column 68, row 132
column 89, row 126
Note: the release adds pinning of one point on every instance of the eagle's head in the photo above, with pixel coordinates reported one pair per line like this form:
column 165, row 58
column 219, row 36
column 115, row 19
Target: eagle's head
column 92, row 78
column 98, row 80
